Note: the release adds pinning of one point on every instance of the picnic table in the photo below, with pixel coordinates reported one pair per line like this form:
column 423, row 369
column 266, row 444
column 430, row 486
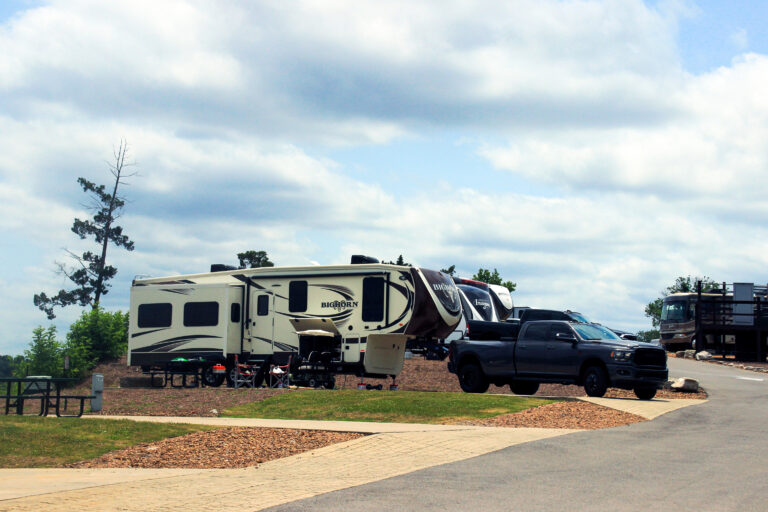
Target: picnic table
column 49, row 391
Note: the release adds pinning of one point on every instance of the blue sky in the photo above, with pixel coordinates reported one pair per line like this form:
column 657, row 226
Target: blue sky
column 592, row 151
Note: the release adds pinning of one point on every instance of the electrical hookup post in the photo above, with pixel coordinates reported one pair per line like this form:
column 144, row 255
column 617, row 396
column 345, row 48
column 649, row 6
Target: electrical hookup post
column 97, row 390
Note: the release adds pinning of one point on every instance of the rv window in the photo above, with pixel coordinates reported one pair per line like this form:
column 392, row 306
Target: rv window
column 154, row 315
column 234, row 313
column 297, row 296
column 262, row 305
column 201, row 314
column 373, row 299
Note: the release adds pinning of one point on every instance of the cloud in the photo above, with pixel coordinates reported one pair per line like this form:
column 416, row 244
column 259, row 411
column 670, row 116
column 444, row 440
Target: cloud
column 641, row 172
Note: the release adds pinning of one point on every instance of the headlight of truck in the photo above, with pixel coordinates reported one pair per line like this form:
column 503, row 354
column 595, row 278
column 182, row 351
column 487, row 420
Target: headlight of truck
column 621, row 356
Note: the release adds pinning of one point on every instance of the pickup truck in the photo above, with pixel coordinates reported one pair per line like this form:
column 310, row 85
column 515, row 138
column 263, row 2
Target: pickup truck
column 562, row 352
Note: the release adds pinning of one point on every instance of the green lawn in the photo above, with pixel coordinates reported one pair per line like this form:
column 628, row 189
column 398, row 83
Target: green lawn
column 383, row 406
column 34, row 442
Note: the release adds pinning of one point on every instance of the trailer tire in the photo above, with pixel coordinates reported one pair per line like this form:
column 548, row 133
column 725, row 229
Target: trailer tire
column 645, row 393
column 472, row 379
column 523, row 387
column 330, row 383
column 211, row 379
column 595, row 381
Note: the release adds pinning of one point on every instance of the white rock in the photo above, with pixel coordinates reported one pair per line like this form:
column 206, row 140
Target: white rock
column 408, row 355
column 703, row 356
column 685, row 384
column 690, row 354
column 214, row 412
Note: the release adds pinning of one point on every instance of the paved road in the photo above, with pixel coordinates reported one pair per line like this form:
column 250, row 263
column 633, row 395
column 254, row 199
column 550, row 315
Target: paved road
column 710, row 457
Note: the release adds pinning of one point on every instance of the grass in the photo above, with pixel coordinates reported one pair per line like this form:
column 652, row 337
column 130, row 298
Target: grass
column 34, row 442
column 383, row 406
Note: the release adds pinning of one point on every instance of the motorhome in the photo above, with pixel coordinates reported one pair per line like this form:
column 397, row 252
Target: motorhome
column 728, row 319
column 369, row 309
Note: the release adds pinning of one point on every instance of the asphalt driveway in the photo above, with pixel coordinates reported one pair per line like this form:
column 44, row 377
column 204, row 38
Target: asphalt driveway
column 710, row 457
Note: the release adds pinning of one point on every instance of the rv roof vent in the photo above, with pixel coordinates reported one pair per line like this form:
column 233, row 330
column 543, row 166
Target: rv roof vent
column 359, row 259
column 220, row 267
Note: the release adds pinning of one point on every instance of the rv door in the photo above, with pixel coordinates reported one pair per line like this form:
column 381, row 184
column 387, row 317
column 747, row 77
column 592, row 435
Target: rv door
column 261, row 327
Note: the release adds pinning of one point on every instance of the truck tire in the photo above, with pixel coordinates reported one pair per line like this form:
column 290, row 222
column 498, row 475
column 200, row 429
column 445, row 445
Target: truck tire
column 472, row 379
column 211, row 379
column 645, row 393
column 595, row 381
column 523, row 387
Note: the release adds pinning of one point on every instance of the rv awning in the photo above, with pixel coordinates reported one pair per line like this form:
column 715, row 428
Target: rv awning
column 315, row 332
column 314, row 324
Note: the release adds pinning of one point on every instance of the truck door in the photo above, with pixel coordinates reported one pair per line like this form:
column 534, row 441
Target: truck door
column 531, row 349
column 262, row 321
column 562, row 351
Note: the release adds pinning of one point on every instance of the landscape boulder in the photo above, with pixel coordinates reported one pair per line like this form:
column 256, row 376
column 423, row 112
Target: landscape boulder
column 703, row 356
column 685, row 384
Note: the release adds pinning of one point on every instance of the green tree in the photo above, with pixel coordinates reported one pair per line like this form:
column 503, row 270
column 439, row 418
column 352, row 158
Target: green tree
column 9, row 366
column 489, row 277
column 451, row 271
column 96, row 336
column 400, row 261
column 254, row 259
column 91, row 273
column 44, row 355
column 682, row 284
column 648, row 336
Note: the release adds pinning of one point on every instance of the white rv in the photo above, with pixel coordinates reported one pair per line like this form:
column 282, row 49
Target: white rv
column 369, row 309
column 480, row 301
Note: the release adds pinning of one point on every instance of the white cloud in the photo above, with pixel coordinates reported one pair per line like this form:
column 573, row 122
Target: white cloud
column 232, row 109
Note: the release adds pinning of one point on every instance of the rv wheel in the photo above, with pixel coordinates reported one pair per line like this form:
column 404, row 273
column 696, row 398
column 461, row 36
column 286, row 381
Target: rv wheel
column 211, row 379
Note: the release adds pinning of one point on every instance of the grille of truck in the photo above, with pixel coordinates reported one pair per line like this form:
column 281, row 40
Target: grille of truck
column 650, row 357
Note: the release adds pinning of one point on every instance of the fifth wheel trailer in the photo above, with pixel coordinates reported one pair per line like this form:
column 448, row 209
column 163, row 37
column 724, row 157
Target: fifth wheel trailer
column 257, row 315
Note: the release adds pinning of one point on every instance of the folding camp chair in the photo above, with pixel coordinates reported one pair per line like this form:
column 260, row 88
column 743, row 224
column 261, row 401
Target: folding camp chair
column 279, row 375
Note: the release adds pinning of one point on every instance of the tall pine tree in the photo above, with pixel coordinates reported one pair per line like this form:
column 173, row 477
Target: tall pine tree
column 91, row 273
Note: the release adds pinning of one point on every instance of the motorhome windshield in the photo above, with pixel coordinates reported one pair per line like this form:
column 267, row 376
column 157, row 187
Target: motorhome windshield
column 675, row 311
column 480, row 300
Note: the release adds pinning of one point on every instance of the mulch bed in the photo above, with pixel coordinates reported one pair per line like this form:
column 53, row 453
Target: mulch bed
column 221, row 448
column 570, row 414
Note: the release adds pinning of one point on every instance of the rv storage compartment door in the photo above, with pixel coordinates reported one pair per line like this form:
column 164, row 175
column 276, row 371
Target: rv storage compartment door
column 314, row 324
column 384, row 353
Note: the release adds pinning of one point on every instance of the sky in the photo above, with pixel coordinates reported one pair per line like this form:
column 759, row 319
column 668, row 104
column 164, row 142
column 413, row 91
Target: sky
column 591, row 151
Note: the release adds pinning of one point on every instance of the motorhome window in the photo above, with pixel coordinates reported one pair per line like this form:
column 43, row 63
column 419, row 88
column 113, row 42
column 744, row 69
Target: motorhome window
column 297, row 296
column 674, row 311
column 201, row 314
column 262, row 305
column 373, row 299
column 480, row 300
column 155, row 315
column 234, row 312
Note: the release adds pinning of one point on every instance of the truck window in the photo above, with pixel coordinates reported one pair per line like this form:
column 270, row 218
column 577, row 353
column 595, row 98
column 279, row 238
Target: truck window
column 201, row 314
column 262, row 305
column 155, row 315
column 373, row 299
column 559, row 328
column 537, row 331
column 297, row 296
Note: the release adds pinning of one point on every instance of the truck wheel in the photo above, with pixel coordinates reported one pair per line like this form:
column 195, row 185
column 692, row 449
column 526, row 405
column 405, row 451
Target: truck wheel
column 524, row 387
column 330, row 383
column 472, row 379
column 595, row 381
column 645, row 393
column 211, row 379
